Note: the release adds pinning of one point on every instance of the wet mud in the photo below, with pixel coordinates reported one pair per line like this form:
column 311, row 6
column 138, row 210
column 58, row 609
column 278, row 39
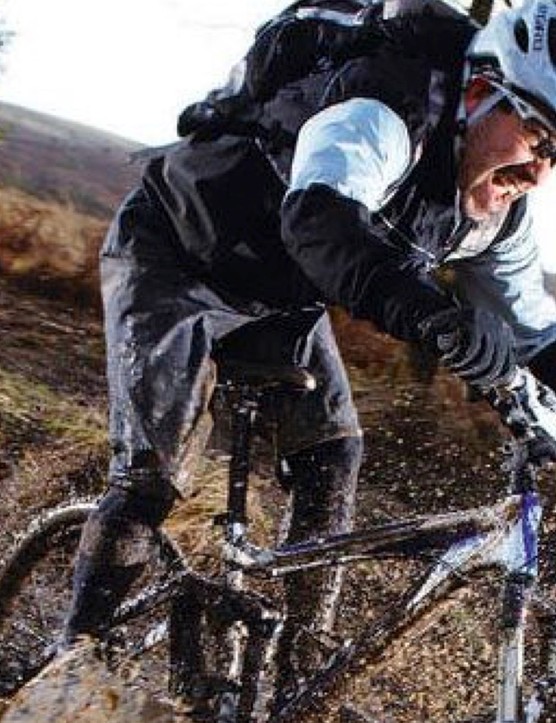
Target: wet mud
column 427, row 449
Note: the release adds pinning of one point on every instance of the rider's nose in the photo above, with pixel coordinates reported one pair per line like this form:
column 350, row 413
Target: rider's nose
column 539, row 170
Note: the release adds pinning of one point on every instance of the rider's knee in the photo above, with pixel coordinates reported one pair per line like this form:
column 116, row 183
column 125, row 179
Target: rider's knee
column 138, row 491
column 124, row 525
column 330, row 463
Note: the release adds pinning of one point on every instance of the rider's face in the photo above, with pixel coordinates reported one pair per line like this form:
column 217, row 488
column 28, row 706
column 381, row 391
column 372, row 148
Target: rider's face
column 499, row 163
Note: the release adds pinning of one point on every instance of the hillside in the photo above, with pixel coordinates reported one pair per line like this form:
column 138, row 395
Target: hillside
column 70, row 163
column 60, row 183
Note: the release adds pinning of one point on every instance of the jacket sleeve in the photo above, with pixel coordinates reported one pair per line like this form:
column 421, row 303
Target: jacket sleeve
column 347, row 159
column 509, row 280
column 329, row 236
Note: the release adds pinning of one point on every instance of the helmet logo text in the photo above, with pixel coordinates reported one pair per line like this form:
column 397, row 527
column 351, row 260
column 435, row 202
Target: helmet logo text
column 539, row 26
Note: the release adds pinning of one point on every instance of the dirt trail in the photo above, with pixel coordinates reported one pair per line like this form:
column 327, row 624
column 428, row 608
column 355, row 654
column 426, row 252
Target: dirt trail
column 426, row 449
column 52, row 405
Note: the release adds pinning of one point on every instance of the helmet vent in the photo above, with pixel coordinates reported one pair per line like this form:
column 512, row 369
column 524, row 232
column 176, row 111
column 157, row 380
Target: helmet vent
column 521, row 35
column 552, row 40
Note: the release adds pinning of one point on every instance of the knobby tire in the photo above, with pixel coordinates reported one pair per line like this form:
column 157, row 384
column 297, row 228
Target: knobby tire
column 35, row 595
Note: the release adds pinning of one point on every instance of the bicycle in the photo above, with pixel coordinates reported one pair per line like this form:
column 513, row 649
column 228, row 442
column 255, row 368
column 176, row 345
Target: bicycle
column 194, row 613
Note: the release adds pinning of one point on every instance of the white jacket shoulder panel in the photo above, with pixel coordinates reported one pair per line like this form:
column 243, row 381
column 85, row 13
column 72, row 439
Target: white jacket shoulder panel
column 359, row 148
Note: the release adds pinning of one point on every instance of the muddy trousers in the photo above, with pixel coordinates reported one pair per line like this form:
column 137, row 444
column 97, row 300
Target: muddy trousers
column 116, row 544
column 323, row 482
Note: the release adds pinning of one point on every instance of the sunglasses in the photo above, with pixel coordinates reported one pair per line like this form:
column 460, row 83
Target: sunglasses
column 546, row 146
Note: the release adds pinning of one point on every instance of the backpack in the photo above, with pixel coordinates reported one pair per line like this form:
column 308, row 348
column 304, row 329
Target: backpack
column 307, row 37
column 304, row 43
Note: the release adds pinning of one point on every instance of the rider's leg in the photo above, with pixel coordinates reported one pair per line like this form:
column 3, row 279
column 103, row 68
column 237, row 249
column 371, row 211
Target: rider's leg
column 160, row 323
column 323, row 481
column 321, row 444
column 115, row 546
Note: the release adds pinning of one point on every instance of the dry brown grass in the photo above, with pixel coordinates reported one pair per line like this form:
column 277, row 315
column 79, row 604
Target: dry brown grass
column 50, row 245
column 192, row 521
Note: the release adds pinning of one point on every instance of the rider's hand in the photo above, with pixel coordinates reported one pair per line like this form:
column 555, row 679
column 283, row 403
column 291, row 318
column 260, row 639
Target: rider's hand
column 528, row 408
column 473, row 343
column 542, row 448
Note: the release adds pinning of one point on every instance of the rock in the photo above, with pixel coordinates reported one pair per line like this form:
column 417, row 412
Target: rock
column 77, row 687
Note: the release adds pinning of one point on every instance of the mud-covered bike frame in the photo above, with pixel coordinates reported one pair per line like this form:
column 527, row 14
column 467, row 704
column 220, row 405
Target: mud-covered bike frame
column 504, row 535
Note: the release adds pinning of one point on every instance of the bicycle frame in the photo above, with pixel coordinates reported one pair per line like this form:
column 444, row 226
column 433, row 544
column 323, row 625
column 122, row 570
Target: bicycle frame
column 504, row 535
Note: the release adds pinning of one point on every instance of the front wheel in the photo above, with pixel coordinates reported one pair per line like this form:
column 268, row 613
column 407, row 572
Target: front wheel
column 35, row 596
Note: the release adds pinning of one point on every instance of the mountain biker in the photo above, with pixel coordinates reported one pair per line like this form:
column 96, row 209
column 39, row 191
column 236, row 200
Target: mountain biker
column 349, row 186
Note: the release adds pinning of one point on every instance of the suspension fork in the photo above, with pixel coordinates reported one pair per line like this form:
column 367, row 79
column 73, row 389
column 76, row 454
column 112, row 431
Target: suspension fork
column 516, row 597
column 520, row 554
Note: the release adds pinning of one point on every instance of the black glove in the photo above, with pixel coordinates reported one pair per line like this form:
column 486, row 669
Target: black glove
column 542, row 449
column 543, row 365
column 473, row 343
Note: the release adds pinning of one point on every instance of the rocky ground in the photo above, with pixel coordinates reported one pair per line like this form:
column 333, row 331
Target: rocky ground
column 427, row 449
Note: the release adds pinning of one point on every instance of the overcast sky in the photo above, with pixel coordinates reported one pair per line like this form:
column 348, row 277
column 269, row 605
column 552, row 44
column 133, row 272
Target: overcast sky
column 130, row 66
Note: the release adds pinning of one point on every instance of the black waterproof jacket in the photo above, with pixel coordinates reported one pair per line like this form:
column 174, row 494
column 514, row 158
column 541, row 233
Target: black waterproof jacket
column 225, row 196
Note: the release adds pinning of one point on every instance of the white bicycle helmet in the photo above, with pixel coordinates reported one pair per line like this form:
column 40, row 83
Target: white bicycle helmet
column 516, row 52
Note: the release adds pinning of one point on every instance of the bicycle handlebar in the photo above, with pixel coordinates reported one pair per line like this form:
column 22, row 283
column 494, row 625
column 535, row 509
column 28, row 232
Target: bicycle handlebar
column 528, row 409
